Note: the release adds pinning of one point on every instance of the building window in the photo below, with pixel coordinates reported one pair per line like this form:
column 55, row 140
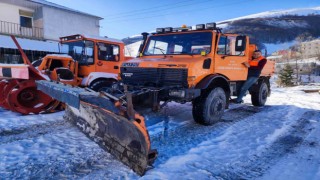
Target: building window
column 26, row 21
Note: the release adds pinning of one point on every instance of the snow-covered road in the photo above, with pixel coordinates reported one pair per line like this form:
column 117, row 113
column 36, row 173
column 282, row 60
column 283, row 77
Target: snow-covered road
column 278, row 141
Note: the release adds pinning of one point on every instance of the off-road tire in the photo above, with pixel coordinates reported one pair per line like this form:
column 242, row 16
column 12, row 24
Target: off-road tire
column 259, row 97
column 209, row 108
column 101, row 85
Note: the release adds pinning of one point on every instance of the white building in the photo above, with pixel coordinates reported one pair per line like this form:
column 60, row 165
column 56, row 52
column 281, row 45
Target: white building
column 40, row 19
column 38, row 24
column 310, row 48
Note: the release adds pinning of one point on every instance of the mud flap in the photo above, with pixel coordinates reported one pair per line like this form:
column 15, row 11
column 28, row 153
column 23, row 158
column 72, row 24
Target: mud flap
column 106, row 123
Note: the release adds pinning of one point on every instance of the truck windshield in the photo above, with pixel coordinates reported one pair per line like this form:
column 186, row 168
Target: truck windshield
column 81, row 51
column 183, row 43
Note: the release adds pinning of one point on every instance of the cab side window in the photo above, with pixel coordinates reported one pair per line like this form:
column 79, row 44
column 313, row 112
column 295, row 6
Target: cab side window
column 222, row 45
column 227, row 46
column 108, row 52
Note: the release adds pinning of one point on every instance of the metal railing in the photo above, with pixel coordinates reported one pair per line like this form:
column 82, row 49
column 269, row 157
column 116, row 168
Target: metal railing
column 18, row 30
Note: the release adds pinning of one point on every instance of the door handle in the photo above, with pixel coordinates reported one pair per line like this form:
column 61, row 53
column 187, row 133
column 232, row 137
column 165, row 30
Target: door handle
column 116, row 67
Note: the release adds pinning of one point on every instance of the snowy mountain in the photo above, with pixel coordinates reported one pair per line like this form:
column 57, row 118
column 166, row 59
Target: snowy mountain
column 278, row 13
column 279, row 27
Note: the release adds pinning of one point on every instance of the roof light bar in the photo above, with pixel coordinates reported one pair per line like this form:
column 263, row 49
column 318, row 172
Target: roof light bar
column 200, row 26
column 185, row 28
column 211, row 26
column 168, row 29
column 175, row 29
column 160, row 30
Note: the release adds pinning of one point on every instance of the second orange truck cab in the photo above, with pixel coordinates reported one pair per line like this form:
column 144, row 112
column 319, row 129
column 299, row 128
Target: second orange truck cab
column 98, row 58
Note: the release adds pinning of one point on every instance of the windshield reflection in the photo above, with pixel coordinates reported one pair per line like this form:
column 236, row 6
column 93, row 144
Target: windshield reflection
column 186, row 43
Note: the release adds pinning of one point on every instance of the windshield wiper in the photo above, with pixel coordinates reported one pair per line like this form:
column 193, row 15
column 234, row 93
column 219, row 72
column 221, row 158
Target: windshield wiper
column 181, row 52
column 161, row 50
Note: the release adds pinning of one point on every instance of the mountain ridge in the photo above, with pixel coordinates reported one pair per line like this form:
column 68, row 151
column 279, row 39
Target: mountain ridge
column 270, row 27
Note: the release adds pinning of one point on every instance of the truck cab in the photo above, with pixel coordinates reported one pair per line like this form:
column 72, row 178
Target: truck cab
column 204, row 66
column 98, row 58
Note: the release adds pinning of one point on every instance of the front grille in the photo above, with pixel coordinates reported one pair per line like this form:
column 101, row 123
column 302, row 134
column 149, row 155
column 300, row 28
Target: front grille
column 155, row 77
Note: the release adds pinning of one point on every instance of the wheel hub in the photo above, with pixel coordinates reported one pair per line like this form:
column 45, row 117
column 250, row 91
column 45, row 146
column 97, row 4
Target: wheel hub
column 216, row 106
column 27, row 95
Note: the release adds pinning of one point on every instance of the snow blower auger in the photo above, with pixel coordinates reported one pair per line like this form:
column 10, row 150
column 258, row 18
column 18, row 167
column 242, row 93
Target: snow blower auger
column 18, row 90
column 110, row 121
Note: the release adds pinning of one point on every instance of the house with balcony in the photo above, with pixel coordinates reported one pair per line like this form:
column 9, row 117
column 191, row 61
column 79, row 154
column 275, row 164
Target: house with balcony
column 38, row 24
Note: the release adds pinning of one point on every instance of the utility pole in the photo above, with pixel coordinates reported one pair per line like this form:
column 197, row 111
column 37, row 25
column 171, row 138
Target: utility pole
column 297, row 71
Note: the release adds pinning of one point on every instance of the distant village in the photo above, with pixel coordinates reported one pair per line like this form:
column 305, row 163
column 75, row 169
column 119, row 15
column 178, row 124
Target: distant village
column 303, row 57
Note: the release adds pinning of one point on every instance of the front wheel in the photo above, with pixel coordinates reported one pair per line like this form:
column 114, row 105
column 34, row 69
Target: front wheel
column 101, row 85
column 259, row 97
column 209, row 108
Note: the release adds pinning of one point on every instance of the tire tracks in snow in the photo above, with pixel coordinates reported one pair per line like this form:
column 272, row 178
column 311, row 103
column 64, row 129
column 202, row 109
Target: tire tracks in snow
column 185, row 137
column 235, row 146
column 257, row 164
column 100, row 164
column 32, row 131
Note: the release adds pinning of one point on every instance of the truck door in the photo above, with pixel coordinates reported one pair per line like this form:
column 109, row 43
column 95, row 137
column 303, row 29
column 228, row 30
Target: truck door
column 83, row 52
column 228, row 60
column 108, row 58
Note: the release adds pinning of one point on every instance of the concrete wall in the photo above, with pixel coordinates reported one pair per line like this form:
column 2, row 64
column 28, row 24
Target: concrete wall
column 57, row 23
column 38, row 18
column 10, row 13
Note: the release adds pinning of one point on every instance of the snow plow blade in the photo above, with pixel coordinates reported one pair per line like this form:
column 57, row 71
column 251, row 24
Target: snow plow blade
column 110, row 124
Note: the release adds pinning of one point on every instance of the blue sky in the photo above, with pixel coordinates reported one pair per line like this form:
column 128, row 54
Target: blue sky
column 123, row 18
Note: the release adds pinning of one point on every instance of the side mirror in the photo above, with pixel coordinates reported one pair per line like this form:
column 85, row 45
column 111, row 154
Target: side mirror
column 240, row 43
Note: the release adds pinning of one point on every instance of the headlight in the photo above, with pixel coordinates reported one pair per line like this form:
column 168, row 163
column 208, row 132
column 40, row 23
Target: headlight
column 177, row 93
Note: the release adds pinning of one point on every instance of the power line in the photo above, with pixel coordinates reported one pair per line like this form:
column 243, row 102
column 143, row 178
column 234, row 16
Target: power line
column 148, row 9
column 159, row 15
column 158, row 10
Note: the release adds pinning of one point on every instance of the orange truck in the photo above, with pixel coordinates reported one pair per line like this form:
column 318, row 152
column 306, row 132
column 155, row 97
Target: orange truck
column 86, row 61
column 203, row 66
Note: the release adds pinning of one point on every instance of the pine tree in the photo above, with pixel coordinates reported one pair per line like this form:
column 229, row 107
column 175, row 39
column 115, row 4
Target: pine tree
column 286, row 76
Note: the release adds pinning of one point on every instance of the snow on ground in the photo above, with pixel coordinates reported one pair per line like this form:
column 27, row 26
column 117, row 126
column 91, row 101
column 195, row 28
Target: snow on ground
column 278, row 141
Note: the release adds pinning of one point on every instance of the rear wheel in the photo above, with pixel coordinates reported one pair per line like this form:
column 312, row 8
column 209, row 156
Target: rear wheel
column 259, row 97
column 101, row 85
column 209, row 108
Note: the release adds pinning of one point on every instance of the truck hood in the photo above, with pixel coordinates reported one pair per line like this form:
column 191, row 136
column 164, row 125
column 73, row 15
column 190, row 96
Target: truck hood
column 184, row 61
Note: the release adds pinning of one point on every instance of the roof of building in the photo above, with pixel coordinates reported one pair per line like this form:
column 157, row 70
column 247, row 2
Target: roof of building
column 50, row 4
column 28, row 44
